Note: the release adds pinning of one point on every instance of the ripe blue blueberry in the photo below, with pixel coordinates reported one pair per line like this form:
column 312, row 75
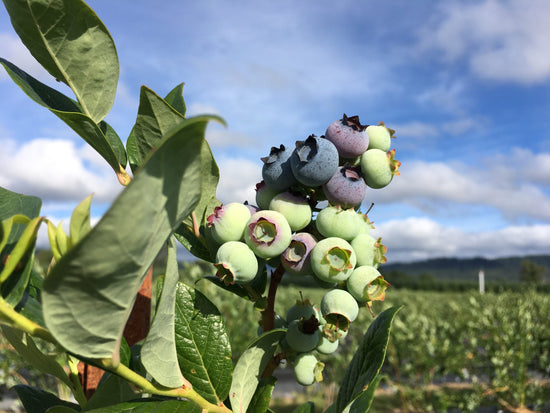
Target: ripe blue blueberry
column 314, row 161
column 276, row 171
column 349, row 136
column 346, row 187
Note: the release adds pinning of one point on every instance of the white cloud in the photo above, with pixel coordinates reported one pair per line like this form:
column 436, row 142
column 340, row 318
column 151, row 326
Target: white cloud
column 419, row 238
column 425, row 130
column 56, row 170
column 508, row 183
column 503, row 40
column 238, row 178
column 13, row 50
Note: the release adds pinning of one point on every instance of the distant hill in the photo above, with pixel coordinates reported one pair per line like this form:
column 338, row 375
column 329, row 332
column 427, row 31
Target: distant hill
column 467, row 269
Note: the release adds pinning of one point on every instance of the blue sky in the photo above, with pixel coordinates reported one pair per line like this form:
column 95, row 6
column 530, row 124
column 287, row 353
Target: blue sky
column 465, row 84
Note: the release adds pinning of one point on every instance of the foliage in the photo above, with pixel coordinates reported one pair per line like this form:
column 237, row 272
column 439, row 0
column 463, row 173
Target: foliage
column 531, row 272
column 76, row 310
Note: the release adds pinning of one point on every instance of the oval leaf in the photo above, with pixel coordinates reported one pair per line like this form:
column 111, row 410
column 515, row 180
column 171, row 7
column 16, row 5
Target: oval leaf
column 250, row 367
column 99, row 277
column 368, row 359
column 158, row 352
column 204, row 351
column 100, row 137
column 73, row 45
column 36, row 400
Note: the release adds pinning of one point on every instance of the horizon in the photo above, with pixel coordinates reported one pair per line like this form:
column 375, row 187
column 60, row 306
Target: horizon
column 465, row 85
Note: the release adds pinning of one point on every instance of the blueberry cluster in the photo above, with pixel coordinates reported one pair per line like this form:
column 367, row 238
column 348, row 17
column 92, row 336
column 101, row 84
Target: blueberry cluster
column 307, row 222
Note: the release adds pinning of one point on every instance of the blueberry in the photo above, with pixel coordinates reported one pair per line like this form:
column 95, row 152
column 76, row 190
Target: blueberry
column 296, row 259
column 294, row 207
column 314, row 161
column 369, row 250
column 379, row 167
column 332, row 259
column 349, row 136
column 346, row 187
column 334, row 221
column 366, row 284
column 303, row 335
column 228, row 222
column 379, row 136
column 264, row 194
column 308, row 369
column 276, row 171
column 267, row 233
column 340, row 309
column 235, row 262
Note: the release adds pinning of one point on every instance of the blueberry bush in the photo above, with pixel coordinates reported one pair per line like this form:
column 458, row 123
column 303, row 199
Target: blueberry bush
column 307, row 223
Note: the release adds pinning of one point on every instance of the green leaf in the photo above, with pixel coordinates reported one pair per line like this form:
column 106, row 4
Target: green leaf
column 111, row 390
column 250, row 367
column 158, row 352
column 11, row 204
column 16, row 205
column 262, row 396
column 36, row 400
column 100, row 137
column 80, row 221
column 25, row 346
column 151, row 406
column 99, row 277
column 24, row 244
column 155, row 118
column 73, row 45
column 204, row 351
column 307, row 407
column 132, row 150
column 175, row 99
column 368, row 359
column 362, row 403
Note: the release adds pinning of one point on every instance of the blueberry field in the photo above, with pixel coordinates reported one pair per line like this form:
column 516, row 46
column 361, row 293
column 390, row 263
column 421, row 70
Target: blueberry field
column 448, row 351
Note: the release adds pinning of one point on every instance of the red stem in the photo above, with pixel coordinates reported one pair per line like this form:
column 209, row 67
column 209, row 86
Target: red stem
column 268, row 315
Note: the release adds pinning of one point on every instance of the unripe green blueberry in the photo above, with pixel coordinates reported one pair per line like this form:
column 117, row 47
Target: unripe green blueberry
column 367, row 284
column 326, row 346
column 365, row 225
column 278, row 322
column 369, row 251
column 303, row 335
column 334, row 221
column 264, row 195
column 235, row 262
column 296, row 259
column 308, row 369
column 339, row 309
column 379, row 167
column 267, row 233
column 228, row 222
column 333, row 259
column 379, row 136
column 295, row 208
column 302, row 309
